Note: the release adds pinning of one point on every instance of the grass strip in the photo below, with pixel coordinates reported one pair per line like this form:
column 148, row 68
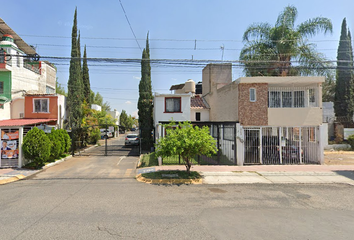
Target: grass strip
column 175, row 174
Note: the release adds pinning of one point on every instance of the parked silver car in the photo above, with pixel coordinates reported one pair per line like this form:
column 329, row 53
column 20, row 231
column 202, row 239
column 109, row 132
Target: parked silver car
column 132, row 139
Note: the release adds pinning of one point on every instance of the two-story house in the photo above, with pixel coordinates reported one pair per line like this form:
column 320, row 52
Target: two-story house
column 45, row 111
column 182, row 105
column 27, row 86
column 259, row 120
column 279, row 119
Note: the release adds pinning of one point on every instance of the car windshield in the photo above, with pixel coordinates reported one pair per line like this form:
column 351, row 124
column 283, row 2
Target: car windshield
column 132, row 136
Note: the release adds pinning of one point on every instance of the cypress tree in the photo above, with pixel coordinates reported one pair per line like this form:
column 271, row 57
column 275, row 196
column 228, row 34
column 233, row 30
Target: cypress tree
column 343, row 100
column 74, row 83
column 86, row 79
column 145, row 99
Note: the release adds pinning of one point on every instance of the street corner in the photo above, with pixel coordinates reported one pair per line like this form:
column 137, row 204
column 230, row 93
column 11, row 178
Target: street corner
column 5, row 180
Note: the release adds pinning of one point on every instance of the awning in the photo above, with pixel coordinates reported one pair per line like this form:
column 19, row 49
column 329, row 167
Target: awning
column 24, row 122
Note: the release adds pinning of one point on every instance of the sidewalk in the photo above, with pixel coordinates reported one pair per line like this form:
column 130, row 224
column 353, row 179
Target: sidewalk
column 314, row 174
column 319, row 174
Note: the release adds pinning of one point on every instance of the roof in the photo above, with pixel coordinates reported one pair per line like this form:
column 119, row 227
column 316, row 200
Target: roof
column 176, row 87
column 21, row 44
column 198, row 103
column 282, row 80
column 41, row 95
column 24, row 122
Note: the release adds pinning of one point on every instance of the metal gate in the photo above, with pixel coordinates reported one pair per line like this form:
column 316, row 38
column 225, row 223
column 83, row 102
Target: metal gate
column 281, row 145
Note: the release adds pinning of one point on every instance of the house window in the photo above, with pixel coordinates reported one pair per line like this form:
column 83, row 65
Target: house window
column 252, row 94
column 299, row 101
column 1, row 87
column 41, row 105
column 312, row 98
column 197, row 116
column 286, row 99
column 274, row 99
column 173, row 105
column 18, row 59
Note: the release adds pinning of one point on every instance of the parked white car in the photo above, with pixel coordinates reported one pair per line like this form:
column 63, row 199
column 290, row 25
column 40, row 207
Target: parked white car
column 106, row 133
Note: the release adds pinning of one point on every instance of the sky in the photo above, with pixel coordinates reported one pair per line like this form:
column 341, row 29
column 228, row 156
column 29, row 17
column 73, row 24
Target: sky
column 178, row 30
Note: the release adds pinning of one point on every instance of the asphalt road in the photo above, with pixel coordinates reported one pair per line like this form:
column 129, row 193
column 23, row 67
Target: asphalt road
column 96, row 197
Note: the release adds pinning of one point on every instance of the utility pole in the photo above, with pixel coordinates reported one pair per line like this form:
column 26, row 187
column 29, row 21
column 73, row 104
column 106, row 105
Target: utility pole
column 105, row 141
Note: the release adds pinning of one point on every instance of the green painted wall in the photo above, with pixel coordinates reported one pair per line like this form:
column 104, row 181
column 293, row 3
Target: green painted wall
column 6, row 78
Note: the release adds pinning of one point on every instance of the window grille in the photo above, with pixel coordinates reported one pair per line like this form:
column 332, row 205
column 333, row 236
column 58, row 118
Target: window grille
column 296, row 97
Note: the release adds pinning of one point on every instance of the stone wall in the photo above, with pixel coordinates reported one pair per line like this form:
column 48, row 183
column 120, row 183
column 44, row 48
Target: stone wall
column 253, row 113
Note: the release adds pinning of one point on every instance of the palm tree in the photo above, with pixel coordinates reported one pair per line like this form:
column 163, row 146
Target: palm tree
column 283, row 50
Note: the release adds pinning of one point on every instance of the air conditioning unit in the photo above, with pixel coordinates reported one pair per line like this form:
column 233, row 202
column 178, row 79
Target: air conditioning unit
column 22, row 115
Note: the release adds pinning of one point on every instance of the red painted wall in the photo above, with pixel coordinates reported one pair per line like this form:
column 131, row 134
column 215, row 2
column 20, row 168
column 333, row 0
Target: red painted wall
column 53, row 107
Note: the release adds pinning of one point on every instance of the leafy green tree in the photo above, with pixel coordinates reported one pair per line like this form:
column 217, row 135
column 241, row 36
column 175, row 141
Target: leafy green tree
column 59, row 88
column 145, row 100
column 98, row 99
column 186, row 141
column 344, row 102
column 283, row 49
column 124, row 120
column 56, row 141
column 86, row 79
column 36, row 147
column 74, row 100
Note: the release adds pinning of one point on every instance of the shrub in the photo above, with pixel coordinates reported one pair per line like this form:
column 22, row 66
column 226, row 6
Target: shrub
column 66, row 140
column 351, row 141
column 36, row 147
column 57, row 144
column 94, row 135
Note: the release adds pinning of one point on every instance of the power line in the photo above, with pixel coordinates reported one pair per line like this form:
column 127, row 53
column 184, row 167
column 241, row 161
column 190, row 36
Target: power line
column 169, row 39
column 129, row 24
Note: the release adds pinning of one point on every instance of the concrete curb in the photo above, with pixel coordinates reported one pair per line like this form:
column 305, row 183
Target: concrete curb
column 12, row 179
column 171, row 181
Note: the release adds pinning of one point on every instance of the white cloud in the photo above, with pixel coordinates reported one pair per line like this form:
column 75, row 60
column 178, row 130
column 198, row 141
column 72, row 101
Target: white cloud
column 128, row 102
column 136, row 77
column 135, row 114
column 174, row 79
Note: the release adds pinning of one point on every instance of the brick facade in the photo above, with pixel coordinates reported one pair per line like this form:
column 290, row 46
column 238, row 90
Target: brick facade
column 253, row 113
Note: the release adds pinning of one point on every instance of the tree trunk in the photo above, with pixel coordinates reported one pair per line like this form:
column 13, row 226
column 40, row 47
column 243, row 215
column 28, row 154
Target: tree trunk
column 188, row 165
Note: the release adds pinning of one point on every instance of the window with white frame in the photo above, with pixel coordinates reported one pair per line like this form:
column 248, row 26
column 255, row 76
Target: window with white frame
column 253, row 96
column 173, row 105
column 18, row 60
column 312, row 97
column 274, row 99
column 197, row 116
column 291, row 98
column 299, row 99
column 41, row 105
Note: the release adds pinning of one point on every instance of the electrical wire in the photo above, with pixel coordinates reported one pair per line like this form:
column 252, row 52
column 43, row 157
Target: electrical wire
column 121, row 4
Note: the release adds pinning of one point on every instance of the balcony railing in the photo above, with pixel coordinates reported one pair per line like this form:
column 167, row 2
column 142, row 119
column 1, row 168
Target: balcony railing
column 31, row 67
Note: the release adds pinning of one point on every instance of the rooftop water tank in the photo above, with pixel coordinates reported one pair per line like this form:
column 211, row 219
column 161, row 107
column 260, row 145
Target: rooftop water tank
column 189, row 86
